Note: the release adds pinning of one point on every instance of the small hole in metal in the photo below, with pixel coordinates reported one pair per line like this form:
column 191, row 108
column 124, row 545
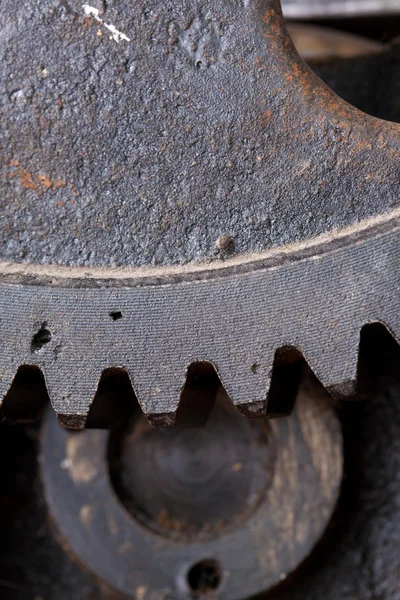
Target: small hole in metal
column 41, row 338
column 116, row 315
column 204, row 577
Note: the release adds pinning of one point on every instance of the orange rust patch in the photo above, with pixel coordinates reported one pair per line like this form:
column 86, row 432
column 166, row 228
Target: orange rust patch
column 87, row 22
column 266, row 117
column 51, row 183
column 268, row 15
column 45, row 180
column 29, row 182
column 26, row 180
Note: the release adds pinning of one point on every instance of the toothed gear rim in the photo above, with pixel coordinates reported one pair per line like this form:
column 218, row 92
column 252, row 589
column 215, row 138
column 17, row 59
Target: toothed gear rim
column 316, row 299
column 146, row 151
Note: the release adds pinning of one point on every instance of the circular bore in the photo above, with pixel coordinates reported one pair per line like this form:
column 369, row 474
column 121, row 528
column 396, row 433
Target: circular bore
column 247, row 556
column 204, row 577
column 193, row 483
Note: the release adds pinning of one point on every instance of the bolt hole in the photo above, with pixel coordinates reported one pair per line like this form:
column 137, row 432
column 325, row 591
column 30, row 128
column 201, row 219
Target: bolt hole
column 199, row 64
column 204, row 577
column 116, row 315
column 41, row 338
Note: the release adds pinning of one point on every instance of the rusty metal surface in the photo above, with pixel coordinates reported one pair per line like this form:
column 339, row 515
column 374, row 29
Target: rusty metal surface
column 365, row 82
column 304, row 455
column 145, row 152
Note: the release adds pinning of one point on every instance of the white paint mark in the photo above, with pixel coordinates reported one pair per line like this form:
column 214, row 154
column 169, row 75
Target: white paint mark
column 116, row 35
column 91, row 11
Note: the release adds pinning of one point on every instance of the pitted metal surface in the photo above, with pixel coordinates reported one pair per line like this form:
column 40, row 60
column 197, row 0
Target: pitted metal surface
column 202, row 122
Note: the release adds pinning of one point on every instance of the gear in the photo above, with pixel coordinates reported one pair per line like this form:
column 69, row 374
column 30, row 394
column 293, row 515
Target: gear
column 182, row 504
column 205, row 198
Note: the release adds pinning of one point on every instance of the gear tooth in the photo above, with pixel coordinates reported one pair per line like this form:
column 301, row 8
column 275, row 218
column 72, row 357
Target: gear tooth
column 71, row 387
column 162, row 419
column 247, row 384
column 72, row 421
column 12, row 358
column 335, row 360
column 346, row 389
column 253, row 409
column 159, row 395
